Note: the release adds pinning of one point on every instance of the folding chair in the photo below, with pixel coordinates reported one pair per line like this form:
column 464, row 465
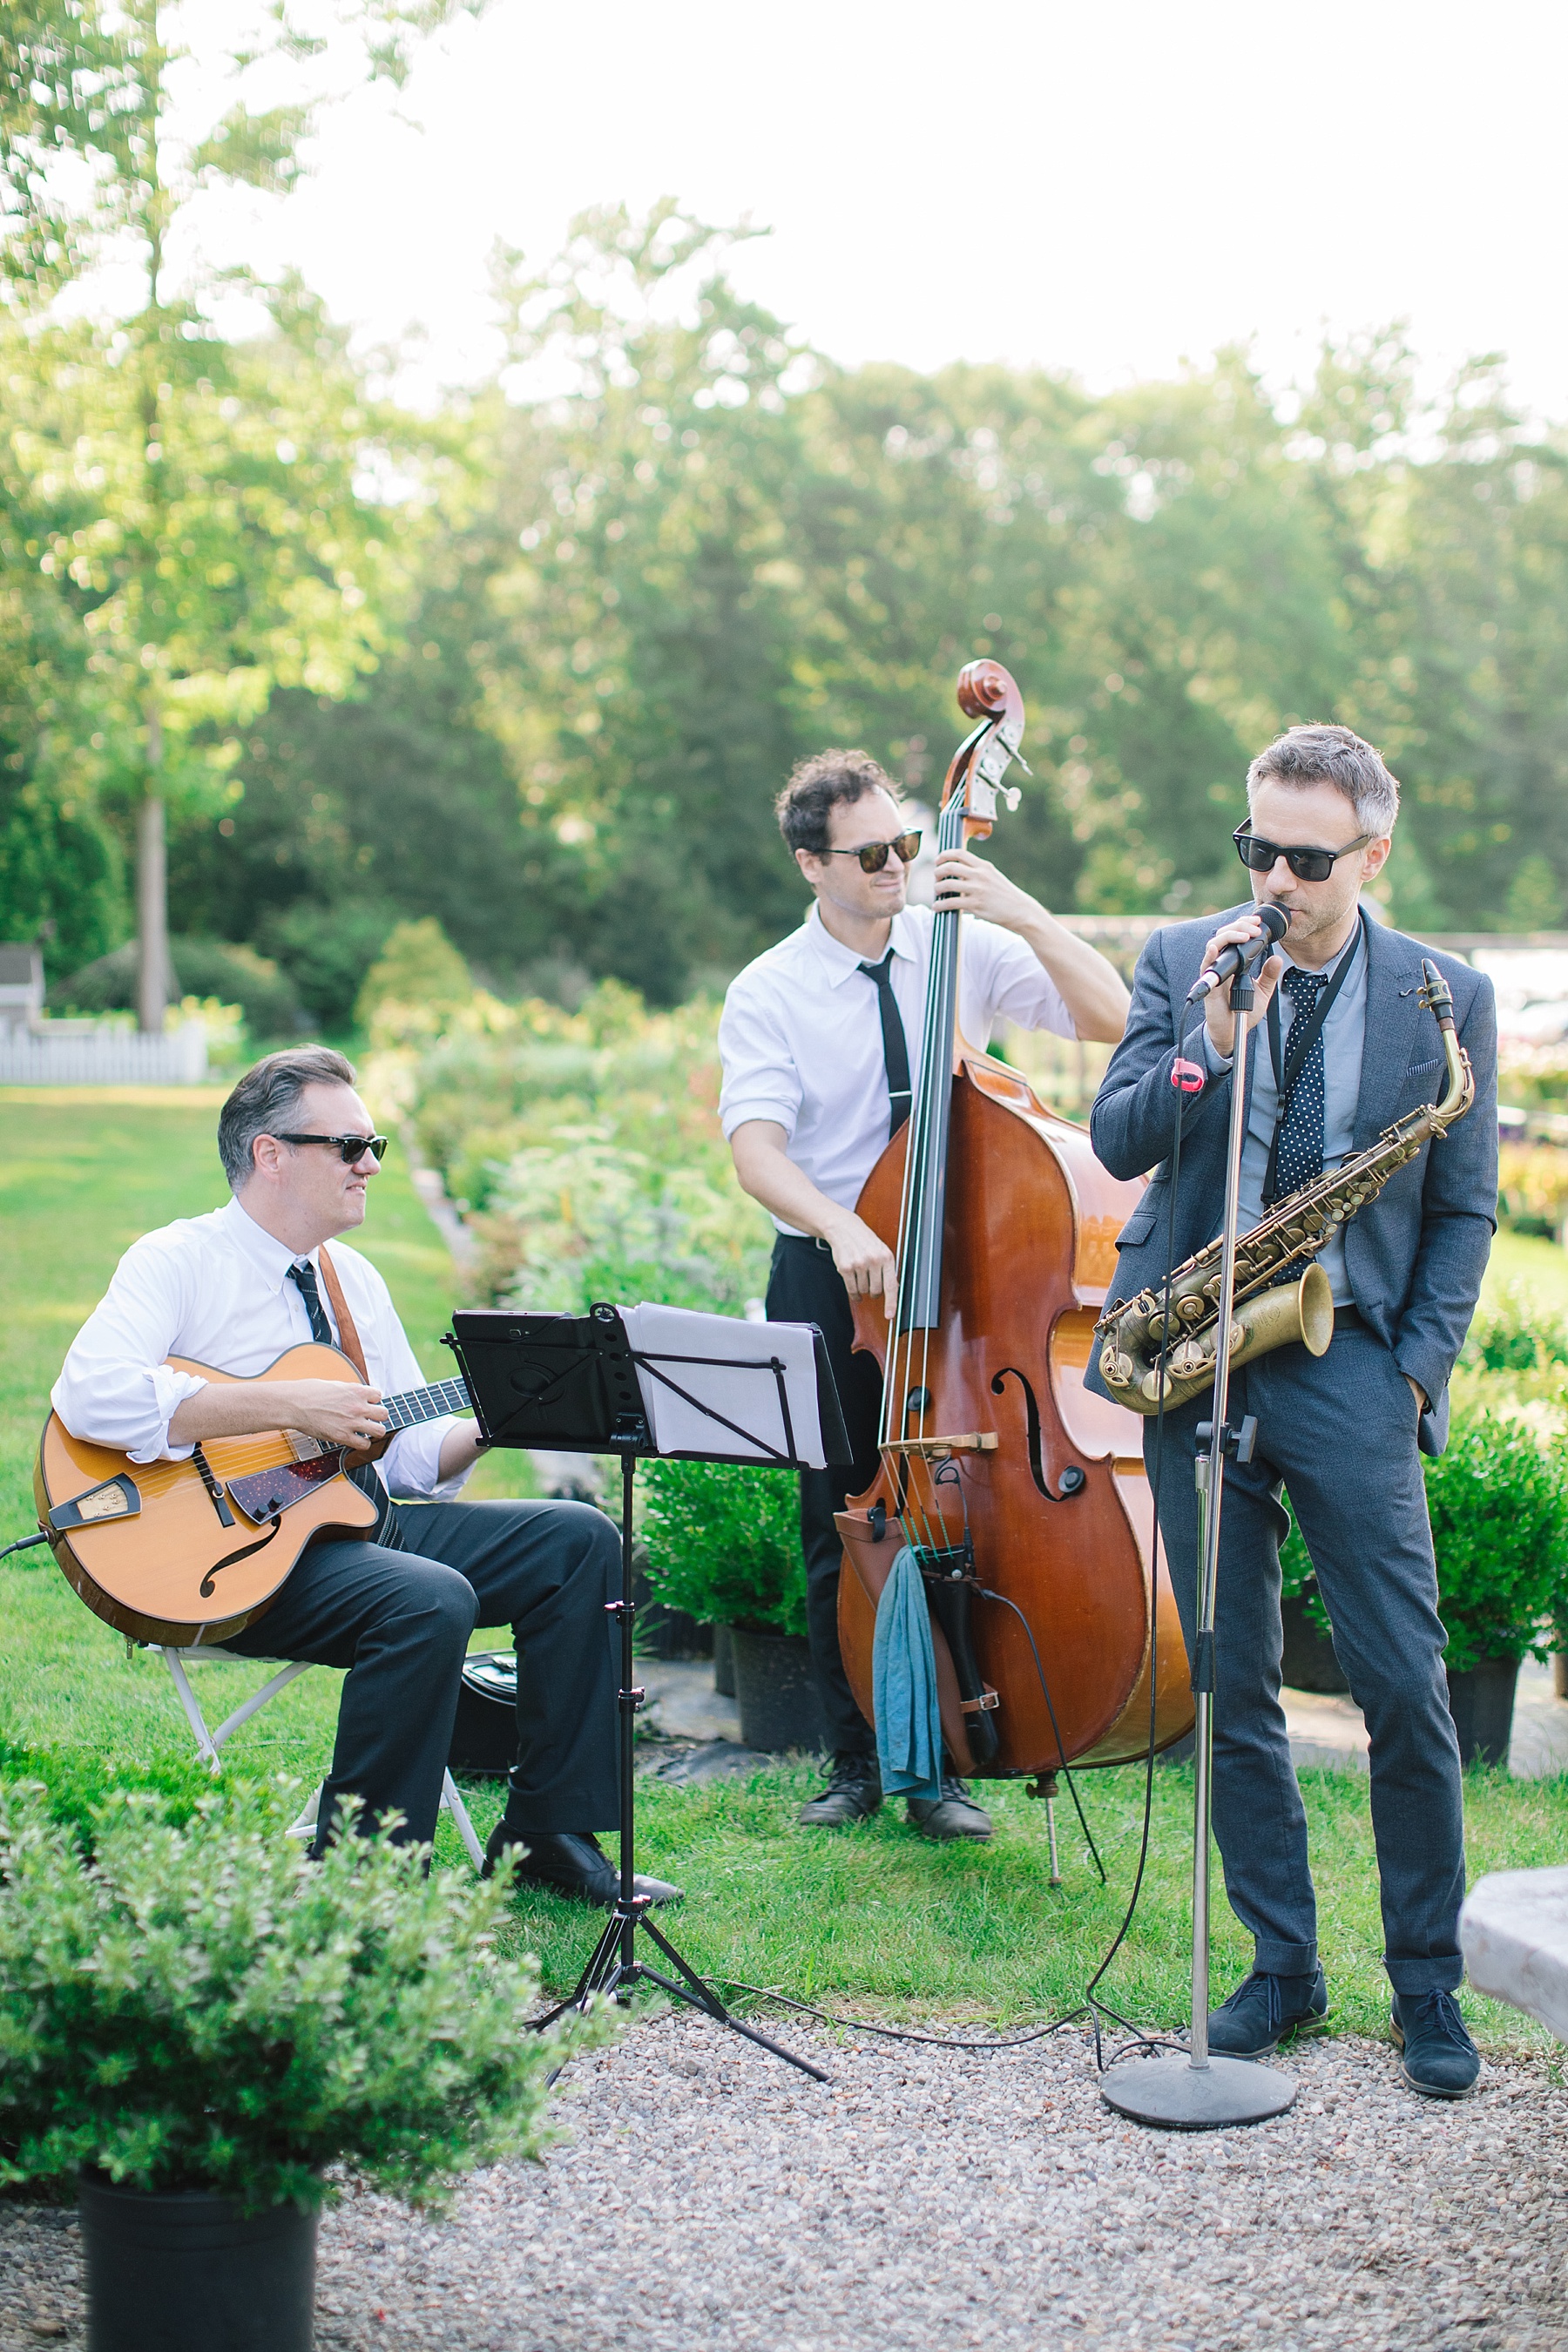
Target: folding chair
column 209, row 1742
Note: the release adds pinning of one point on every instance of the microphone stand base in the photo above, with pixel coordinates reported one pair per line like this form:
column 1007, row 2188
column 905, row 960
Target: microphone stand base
column 1171, row 2094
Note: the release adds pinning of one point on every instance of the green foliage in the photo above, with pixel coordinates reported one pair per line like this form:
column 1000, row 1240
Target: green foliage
column 418, row 967
column 200, row 2006
column 326, row 952
column 723, row 1542
column 1513, row 1332
column 1499, row 1502
column 586, row 1144
column 202, row 968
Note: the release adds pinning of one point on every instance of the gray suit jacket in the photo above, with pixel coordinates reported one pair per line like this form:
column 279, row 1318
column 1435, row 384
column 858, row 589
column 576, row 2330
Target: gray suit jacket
column 1416, row 1256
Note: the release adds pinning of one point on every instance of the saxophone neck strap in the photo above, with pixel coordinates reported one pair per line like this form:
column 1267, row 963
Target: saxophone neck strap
column 1304, row 1035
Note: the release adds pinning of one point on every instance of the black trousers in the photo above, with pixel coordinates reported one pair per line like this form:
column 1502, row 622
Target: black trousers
column 400, row 1620
column 805, row 1287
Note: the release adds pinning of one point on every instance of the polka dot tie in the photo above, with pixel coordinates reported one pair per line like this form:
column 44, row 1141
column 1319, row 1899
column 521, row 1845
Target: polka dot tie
column 1301, row 1131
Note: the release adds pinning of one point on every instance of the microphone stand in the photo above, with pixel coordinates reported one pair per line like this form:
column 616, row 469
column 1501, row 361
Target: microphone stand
column 1200, row 2092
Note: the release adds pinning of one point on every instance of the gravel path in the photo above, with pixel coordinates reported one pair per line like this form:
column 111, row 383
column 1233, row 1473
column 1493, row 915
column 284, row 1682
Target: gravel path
column 925, row 2199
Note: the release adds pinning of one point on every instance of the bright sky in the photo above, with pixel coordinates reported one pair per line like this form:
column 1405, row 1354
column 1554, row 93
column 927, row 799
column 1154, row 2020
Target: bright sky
column 1106, row 189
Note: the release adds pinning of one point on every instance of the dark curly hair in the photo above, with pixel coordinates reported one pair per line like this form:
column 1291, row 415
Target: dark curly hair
column 819, row 785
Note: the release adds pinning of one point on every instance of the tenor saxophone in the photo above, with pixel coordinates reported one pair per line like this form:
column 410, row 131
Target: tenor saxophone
column 1161, row 1346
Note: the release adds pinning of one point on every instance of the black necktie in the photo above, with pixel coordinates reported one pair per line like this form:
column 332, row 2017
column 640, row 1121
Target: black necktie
column 895, row 1050
column 1300, row 1155
column 303, row 1275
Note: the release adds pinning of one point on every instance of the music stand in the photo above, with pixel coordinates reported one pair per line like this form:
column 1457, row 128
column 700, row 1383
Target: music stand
column 576, row 1384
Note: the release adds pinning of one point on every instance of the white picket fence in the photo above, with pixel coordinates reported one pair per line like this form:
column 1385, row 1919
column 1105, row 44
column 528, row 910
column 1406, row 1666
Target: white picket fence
column 86, row 1057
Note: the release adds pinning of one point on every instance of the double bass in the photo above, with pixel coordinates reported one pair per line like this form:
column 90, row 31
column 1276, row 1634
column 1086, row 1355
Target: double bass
column 1021, row 1492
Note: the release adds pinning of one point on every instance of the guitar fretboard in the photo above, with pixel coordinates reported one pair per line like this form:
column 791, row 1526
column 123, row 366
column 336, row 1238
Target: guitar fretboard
column 415, row 1406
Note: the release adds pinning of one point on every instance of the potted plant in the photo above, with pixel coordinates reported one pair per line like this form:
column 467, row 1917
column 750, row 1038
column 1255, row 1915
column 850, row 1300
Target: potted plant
column 723, row 1542
column 1499, row 1503
column 203, row 2034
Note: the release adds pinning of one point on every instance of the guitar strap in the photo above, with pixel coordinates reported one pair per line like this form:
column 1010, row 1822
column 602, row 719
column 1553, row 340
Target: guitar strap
column 347, row 1330
column 358, row 1469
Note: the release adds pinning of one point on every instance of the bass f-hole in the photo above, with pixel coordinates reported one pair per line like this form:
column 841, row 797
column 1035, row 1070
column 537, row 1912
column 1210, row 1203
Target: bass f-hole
column 1073, row 1480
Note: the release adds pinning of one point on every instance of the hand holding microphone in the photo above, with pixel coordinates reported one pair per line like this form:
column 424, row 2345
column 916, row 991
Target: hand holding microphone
column 1224, row 955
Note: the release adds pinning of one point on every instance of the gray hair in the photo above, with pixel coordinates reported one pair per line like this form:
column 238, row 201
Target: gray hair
column 1332, row 755
column 267, row 1099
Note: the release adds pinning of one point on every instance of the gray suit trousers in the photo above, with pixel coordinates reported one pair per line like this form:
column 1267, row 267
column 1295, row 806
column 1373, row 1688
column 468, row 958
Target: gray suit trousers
column 400, row 1622
column 1338, row 1433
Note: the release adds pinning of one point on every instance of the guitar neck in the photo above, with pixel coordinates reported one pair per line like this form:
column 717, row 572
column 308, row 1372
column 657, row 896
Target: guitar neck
column 407, row 1412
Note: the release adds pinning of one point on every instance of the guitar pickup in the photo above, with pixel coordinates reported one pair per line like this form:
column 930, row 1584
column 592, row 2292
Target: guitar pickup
column 266, row 1494
column 116, row 1498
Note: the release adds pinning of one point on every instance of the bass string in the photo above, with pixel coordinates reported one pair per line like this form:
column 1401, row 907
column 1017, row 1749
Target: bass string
column 919, row 1240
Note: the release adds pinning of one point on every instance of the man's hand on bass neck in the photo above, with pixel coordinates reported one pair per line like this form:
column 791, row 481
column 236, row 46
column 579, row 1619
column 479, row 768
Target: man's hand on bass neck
column 1090, row 988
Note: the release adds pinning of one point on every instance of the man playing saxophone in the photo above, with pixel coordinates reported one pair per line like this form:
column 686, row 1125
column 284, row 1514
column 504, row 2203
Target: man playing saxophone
column 1346, row 1048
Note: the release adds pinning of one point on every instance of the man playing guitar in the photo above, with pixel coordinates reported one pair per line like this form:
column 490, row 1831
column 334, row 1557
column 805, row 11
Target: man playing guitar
column 235, row 1290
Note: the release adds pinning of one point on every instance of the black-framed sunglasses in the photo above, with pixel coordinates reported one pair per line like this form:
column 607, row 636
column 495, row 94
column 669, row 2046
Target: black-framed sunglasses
column 1307, row 865
column 352, row 1147
column 873, row 855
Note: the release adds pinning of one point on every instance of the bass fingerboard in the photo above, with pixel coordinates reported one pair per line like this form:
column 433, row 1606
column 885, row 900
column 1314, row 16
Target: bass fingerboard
column 407, row 1412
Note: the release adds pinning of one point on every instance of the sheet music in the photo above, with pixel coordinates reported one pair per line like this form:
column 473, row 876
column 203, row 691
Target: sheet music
column 740, row 1386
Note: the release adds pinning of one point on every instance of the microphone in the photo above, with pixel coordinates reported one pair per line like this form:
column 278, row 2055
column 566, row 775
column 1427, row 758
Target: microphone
column 1276, row 921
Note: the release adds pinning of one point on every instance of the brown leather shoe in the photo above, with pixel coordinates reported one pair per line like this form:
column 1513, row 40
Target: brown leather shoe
column 569, row 1863
column 954, row 1814
column 853, row 1793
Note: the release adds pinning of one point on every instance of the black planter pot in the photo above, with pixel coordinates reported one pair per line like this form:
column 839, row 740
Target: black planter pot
column 188, row 2272
column 1309, row 1663
column 775, row 1692
column 724, row 1660
column 1480, row 1701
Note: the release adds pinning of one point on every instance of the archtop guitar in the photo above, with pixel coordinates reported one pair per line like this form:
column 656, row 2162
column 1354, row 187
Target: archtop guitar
column 191, row 1552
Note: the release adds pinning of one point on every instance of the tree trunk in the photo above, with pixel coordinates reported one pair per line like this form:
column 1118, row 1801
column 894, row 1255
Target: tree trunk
column 151, row 918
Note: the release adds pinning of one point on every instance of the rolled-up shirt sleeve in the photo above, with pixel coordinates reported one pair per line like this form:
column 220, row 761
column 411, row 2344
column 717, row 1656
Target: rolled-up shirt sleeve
column 1011, row 982
column 115, row 1387
column 761, row 1080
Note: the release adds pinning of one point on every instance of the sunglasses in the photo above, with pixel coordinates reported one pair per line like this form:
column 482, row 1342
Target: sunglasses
column 873, row 855
column 1306, row 865
column 352, row 1147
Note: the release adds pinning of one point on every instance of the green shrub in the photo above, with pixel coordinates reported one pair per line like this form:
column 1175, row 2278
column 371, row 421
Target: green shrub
column 417, row 966
column 1514, row 1336
column 201, row 2007
column 1499, row 1501
column 1497, row 1497
column 724, row 1543
column 202, row 968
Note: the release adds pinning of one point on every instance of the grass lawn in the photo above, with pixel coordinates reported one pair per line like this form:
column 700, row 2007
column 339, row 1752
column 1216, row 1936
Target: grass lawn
column 878, row 1919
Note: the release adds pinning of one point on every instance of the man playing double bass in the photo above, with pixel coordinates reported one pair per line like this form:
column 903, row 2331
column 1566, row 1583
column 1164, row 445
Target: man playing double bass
column 815, row 1041
column 1347, row 1049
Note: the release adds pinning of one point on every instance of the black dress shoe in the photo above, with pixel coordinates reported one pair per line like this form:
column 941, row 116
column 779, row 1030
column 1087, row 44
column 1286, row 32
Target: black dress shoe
column 1441, row 2062
column 1260, row 2012
column 569, row 1863
column 853, row 1793
column 954, row 1814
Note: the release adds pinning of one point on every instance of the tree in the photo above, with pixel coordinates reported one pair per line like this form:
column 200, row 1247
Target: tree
column 229, row 553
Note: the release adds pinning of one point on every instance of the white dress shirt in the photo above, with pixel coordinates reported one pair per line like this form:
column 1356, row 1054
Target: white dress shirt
column 1343, row 1034
column 216, row 1289
column 801, row 1035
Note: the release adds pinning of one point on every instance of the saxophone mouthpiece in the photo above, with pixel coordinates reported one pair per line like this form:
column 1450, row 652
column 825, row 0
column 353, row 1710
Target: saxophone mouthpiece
column 1436, row 993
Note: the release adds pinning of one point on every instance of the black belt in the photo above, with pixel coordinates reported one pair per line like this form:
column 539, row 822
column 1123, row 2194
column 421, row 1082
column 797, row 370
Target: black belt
column 1349, row 1319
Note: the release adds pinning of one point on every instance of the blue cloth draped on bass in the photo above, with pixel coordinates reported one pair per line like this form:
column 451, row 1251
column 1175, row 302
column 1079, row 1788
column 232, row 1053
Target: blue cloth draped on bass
column 903, row 1685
